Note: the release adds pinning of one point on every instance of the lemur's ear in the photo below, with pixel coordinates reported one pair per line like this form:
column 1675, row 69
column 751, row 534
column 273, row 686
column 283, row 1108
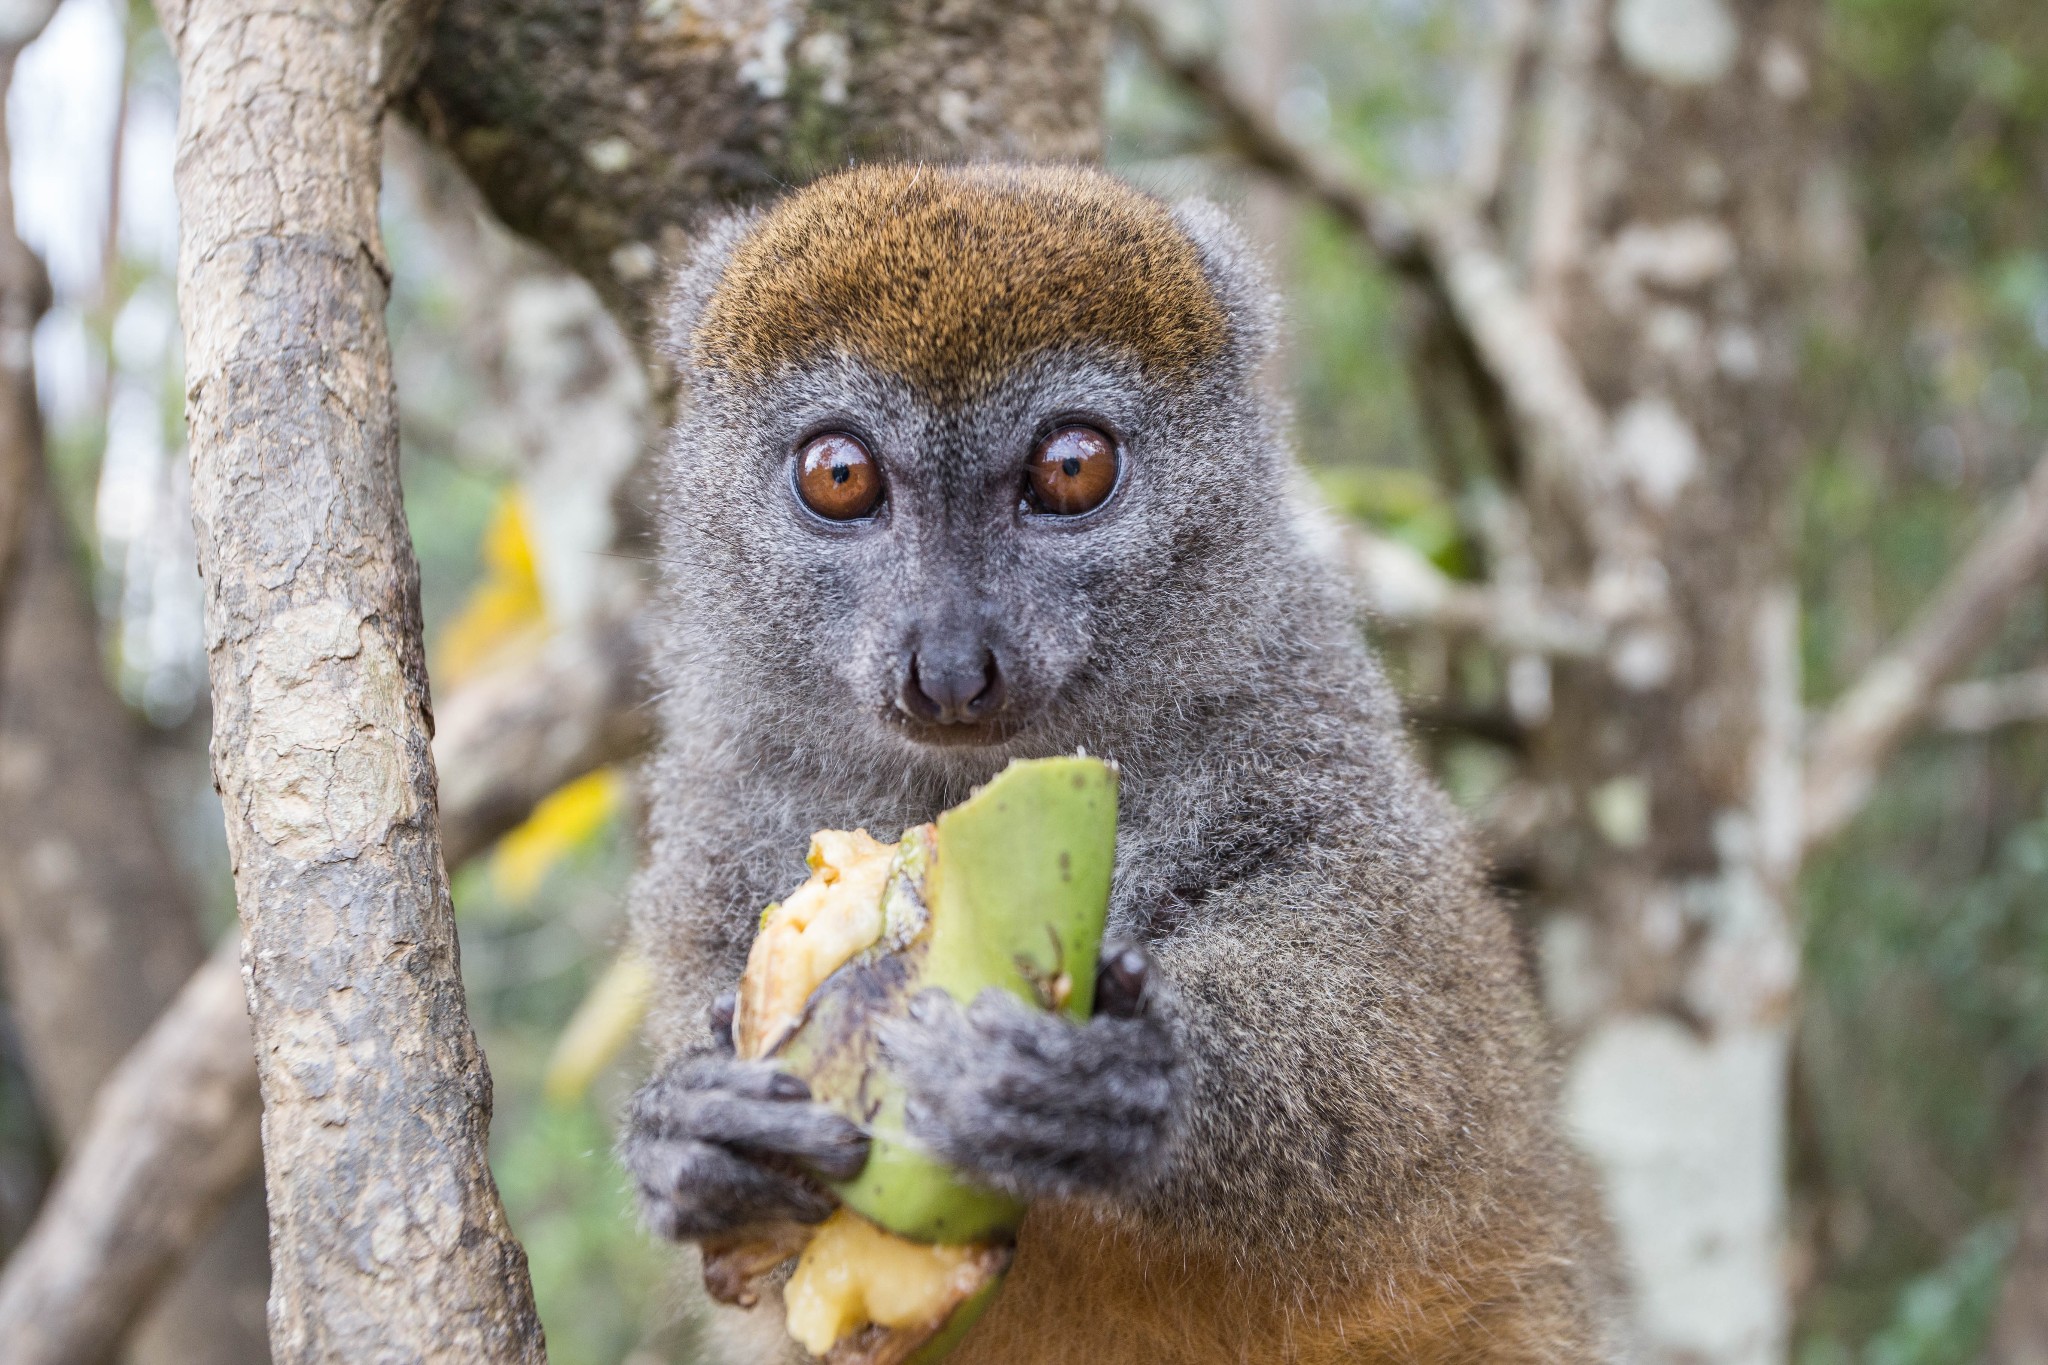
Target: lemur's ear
column 1237, row 271
column 695, row 280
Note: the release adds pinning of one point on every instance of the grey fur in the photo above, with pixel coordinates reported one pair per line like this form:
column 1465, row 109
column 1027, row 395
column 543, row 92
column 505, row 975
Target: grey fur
column 1341, row 1065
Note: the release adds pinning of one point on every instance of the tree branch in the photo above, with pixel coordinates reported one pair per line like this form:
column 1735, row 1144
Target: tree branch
column 1860, row 731
column 1565, row 111
column 1986, row 704
column 1404, row 591
column 1489, row 102
column 133, row 1202
column 98, row 930
column 1446, row 252
column 508, row 739
column 606, row 129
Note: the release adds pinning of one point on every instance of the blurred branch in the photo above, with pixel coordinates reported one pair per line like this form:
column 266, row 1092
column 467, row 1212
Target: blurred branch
column 507, row 739
column 1563, row 118
column 1450, row 255
column 1404, row 591
column 1487, row 122
column 1387, row 226
column 1896, row 693
column 176, row 1130
column 173, row 1133
column 97, row 931
column 1985, row 704
column 24, row 297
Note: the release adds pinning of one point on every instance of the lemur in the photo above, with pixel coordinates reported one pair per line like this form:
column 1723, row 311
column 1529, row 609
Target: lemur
column 975, row 463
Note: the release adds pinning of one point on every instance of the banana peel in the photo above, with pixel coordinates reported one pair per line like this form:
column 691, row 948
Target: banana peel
column 1007, row 890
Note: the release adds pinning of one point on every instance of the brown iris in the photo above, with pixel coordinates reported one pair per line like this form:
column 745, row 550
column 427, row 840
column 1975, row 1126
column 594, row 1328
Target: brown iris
column 1071, row 471
column 837, row 478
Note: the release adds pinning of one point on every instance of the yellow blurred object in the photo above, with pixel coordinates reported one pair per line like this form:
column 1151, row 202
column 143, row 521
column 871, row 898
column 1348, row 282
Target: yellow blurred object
column 567, row 820
column 853, row 1273
column 601, row 1027
column 506, row 611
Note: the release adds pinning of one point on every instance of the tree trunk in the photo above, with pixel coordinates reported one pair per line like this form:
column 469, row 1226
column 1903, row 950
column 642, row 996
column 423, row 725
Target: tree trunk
column 1662, row 234
column 388, row 1238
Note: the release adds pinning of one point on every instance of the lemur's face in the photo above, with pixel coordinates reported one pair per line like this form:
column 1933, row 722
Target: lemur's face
column 953, row 479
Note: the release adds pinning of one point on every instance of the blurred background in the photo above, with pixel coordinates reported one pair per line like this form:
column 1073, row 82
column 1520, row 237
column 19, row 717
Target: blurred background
column 1920, row 1057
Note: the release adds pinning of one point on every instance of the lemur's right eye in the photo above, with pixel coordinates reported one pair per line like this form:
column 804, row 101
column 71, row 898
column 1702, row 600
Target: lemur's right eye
column 1071, row 471
column 837, row 478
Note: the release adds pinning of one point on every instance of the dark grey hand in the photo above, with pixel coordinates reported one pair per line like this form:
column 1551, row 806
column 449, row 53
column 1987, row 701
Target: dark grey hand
column 716, row 1144
column 1034, row 1103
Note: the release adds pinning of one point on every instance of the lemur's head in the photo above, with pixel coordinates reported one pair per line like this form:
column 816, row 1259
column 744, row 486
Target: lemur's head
column 970, row 456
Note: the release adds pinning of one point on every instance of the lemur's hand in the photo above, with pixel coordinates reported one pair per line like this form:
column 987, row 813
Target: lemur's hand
column 1034, row 1103
column 715, row 1144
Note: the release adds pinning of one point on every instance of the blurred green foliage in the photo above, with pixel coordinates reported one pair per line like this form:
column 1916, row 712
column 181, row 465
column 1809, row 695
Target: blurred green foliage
column 1924, row 1028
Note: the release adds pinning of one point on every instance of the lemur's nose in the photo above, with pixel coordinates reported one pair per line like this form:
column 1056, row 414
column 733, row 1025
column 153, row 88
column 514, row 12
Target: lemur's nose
column 952, row 686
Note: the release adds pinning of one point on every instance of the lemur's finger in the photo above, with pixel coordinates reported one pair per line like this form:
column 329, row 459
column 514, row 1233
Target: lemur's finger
column 1120, row 980
column 666, row 1105
column 720, row 1017
column 698, row 1189
column 808, row 1133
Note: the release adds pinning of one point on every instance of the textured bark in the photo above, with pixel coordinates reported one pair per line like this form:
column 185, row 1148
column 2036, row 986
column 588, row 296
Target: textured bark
column 173, row 1134
column 604, row 130
column 387, row 1235
column 98, row 932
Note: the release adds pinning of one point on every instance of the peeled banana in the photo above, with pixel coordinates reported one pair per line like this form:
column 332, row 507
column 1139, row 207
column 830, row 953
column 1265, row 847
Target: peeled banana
column 1009, row 890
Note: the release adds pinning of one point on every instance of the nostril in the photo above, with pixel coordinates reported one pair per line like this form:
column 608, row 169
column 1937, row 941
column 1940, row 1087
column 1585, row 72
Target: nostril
column 989, row 699
column 912, row 699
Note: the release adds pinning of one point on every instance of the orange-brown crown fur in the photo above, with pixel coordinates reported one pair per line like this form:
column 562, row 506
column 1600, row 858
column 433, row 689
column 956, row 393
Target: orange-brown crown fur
column 950, row 277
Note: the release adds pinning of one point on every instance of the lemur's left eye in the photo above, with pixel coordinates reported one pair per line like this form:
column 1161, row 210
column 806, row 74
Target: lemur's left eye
column 837, row 478
column 1071, row 471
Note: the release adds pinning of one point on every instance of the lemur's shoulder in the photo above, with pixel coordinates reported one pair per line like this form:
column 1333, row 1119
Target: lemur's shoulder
column 950, row 277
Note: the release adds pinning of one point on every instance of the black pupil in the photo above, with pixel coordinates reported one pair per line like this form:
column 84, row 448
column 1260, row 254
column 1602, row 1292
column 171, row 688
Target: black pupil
column 1071, row 466
column 841, row 473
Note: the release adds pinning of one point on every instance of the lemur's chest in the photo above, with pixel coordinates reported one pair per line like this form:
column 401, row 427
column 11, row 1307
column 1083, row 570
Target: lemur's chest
column 1081, row 1293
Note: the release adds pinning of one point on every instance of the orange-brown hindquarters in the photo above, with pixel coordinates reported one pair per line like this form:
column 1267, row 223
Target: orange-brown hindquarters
column 1082, row 1293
